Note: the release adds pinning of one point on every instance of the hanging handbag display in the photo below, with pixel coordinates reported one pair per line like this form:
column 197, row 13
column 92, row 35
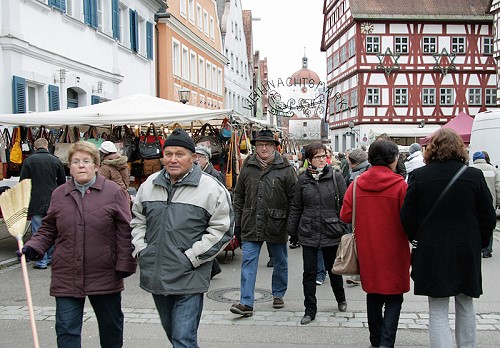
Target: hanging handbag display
column 346, row 261
column 225, row 132
column 150, row 148
column 92, row 136
column 16, row 153
column 229, row 167
column 208, row 136
column 61, row 147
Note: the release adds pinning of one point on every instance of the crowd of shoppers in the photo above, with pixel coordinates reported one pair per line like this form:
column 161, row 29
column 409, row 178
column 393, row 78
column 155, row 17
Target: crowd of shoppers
column 182, row 217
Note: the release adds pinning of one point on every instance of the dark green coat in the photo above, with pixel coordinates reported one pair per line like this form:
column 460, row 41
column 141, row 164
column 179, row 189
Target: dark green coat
column 262, row 200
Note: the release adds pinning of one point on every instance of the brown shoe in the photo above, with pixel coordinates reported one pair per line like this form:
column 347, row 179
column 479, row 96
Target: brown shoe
column 242, row 309
column 278, row 302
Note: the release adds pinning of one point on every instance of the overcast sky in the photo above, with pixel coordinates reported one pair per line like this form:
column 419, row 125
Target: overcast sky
column 284, row 29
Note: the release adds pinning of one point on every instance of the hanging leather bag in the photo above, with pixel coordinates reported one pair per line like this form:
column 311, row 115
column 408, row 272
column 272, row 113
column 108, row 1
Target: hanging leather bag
column 150, row 150
column 208, row 136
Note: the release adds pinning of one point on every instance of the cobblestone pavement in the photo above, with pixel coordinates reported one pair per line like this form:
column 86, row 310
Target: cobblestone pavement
column 418, row 321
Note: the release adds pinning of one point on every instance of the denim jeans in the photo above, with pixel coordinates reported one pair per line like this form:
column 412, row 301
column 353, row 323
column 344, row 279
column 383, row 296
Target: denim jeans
column 383, row 327
column 250, row 263
column 36, row 222
column 310, row 265
column 69, row 318
column 321, row 272
column 180, row 317
column 439, row 324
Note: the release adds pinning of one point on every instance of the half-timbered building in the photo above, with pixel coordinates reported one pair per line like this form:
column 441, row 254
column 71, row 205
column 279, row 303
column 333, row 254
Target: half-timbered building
column 405, row 69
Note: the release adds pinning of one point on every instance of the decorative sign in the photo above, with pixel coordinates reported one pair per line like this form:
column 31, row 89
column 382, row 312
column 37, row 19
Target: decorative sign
column 443, row 58
column 394, row 61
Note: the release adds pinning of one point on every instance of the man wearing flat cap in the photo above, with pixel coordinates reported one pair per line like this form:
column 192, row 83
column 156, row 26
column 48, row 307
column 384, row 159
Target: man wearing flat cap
column 262, row 198
column 182, row 218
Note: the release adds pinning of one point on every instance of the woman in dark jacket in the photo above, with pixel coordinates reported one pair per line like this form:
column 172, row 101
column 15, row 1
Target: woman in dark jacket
column 314, row 220
column 447, row 260
column 88, row 220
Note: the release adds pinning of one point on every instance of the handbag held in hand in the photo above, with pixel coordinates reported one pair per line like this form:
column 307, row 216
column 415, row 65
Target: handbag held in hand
column 346, row 261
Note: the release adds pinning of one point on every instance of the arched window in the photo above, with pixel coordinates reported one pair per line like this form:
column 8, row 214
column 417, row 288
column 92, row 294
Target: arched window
column 72, row 98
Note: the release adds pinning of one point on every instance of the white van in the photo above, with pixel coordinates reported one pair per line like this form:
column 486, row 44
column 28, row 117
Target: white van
column 485, row 135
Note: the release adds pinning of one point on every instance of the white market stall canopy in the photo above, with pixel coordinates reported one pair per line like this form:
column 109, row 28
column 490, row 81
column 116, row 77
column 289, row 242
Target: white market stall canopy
column 136, row 109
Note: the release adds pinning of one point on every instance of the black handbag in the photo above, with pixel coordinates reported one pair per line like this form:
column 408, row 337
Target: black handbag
column 130, row 145
column 150, row 150
column 209, row 137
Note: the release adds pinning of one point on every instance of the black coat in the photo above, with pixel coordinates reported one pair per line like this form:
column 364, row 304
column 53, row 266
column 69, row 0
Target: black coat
column 313, row 214
column 447, row 260
column 46, row 173
column 262, row 200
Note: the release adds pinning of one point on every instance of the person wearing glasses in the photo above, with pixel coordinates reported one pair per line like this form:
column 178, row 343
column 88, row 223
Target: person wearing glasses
column 314, row 220
column 89, row 222
column 182, row 218
column 262, row 198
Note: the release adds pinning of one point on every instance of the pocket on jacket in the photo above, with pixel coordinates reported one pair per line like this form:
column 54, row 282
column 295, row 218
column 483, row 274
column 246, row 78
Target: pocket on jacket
column 277, row 220
column 333, row 227
column 305, row 226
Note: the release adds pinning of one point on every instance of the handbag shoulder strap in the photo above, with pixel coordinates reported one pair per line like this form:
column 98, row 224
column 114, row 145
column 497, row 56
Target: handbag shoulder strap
column 336, row 188
column 438, row 200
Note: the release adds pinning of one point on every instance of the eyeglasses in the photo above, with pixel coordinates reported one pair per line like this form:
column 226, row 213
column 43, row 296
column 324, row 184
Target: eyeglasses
column 84, row 162
column 265, row 145
column 319, row 157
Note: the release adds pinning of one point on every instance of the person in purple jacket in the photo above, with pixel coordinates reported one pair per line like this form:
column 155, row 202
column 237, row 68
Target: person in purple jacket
column 89, row 222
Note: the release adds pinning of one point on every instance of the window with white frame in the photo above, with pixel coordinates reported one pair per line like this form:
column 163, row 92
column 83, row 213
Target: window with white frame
column 429, row 44
column 354, row 98
column 401, row 96
column 185, row 63
column 192, row 65
column 212, row 28
column 488, row 45
column 199, row 17
column 372, row 44
column 232, row 61
column 32, row 98
column 205, row 22
column 201, row 72
column 208, row 76
column 329, row 64
column 214, row 78
column 176, row 58
column 343, row 54
column 428, row 96
column 336, row 60
column 124, row 25
column 474, row 96
column 241, row 68
column 373, row 96
column 237, row 65
column 458, row 44
column 183, row 7
column 100, row 18
column 219, row 81
column 352, row 48
column 142, row 40
column 74, row 8
column 246, row 71
column 491, row 96
column 236, row 30
column 401, row 44
column 446, row 96
column 191, row 11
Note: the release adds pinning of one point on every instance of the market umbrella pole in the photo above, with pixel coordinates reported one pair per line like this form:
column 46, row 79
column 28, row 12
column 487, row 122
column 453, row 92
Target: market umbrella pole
column 14, row 204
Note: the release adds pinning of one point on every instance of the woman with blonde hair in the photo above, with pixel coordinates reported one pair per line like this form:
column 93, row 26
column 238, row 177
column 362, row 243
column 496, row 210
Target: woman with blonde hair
column 448, row 226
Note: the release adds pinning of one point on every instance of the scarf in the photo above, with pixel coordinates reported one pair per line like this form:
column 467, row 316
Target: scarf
column 264, row 163
column 315, row 172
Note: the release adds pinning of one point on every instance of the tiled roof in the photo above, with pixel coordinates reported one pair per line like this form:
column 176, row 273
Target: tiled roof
column 421, row 9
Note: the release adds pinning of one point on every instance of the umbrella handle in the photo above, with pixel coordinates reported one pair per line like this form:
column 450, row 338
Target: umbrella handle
column 28, row 292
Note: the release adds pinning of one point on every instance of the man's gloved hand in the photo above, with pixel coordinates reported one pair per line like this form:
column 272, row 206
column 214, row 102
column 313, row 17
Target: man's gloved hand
column 28, row 252
column 122, row 274
column 294, row 239
column 237, row 234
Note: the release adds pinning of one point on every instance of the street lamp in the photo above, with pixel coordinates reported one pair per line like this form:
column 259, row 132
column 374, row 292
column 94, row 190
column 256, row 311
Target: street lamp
column 351, row 130
column 184, row 95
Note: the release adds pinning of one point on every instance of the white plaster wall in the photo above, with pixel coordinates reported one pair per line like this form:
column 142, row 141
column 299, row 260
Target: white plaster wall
column 37, row 41
column 235, row 83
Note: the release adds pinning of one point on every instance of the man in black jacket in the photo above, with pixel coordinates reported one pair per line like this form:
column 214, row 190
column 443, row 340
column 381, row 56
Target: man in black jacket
column 46, row 173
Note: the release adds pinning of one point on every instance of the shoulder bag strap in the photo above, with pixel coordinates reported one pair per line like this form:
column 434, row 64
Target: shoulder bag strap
column 437, row 201
column 337, row 194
